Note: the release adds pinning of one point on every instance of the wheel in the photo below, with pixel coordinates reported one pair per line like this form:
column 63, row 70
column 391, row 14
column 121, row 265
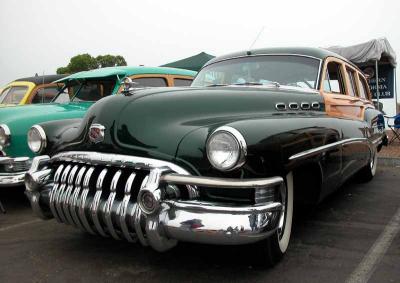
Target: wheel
column 270, row 251
column 367, row 173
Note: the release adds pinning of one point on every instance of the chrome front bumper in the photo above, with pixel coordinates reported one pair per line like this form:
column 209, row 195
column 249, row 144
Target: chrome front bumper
column 68, row 199
column 16, row 170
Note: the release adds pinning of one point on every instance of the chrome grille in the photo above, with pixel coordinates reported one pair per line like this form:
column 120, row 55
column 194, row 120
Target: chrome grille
column 99, row 199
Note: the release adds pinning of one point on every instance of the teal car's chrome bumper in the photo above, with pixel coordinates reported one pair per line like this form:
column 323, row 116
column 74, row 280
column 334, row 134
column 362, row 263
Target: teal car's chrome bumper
column 12, row 170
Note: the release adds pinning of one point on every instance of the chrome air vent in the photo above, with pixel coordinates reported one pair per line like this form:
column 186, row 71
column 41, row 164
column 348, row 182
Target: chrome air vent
column 280, row 106
column 293, row 106
column 315, row 105
column 305, row 105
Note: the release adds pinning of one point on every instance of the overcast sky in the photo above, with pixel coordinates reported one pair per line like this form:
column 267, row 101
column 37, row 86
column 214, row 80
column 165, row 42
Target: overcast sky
column 41, row 35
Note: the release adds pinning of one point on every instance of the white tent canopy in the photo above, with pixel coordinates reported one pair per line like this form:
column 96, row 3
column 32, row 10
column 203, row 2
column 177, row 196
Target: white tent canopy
column 373, row 50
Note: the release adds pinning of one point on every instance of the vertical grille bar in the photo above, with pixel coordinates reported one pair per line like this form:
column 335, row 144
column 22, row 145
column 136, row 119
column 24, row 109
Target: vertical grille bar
column 54, row 190
column 75, row 197
column 122, row 210
column 96, row 202
column 109, row 204
column 65, row 198
column 136, row 215
column 81, row 204
column 60, row 192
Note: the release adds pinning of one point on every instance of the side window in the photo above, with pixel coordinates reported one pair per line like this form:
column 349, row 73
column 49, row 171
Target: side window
column 151, row 82
column 45, row 94
column 352, row 80
column 333, row 81
column 15, row 95
column 182, row 82
column 363, row 88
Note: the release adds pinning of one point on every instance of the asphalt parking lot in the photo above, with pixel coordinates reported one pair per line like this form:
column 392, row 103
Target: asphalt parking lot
column 353, row 236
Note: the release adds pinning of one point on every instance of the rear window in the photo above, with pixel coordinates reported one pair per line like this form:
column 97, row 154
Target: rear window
column 13, row 95
column 182, row 82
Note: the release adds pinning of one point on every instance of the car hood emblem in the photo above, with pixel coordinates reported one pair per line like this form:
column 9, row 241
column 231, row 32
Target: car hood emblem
column 96, row 133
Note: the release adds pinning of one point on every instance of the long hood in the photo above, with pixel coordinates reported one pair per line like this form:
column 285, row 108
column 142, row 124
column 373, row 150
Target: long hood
column 155, row 121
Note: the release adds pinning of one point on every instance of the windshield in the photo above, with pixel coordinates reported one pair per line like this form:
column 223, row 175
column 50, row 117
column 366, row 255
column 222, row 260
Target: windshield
column 290, row 70
column 13, row 95
column 92, row 90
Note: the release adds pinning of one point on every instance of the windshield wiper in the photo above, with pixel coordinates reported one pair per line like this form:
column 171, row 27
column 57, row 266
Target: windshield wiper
column 248, row 83
column 215, row 85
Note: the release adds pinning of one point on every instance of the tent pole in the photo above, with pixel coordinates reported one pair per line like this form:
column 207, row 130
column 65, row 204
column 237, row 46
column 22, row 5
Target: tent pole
column 377, row 84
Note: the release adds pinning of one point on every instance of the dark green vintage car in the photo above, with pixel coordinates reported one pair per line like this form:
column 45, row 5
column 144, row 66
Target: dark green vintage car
column 220, row 162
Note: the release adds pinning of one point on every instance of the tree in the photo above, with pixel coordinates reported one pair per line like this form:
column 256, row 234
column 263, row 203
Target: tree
column 110, row 61
column 85, row 62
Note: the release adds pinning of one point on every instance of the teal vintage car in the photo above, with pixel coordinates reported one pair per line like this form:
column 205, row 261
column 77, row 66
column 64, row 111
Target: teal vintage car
column 77, row 93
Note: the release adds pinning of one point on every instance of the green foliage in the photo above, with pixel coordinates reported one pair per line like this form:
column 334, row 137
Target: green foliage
column 85, row 62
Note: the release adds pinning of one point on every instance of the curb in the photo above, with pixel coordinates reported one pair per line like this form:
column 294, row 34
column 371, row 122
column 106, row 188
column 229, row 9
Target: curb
column 389, row 161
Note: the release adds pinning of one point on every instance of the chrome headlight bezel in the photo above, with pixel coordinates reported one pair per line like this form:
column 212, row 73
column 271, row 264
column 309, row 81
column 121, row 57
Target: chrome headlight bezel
column 240, row 142
column 5, row 135
column 41, row 137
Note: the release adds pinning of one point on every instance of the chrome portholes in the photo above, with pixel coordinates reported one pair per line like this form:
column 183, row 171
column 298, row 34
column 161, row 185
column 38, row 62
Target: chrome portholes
column 281, row 106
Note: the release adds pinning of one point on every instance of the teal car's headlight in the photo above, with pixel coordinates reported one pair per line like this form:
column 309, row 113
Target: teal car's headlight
column 226, row 149
column 37, row 140
column 5, row 135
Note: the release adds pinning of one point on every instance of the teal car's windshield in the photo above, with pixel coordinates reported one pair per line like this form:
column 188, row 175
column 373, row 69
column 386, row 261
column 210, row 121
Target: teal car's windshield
column 89, row 90
column 289, row 70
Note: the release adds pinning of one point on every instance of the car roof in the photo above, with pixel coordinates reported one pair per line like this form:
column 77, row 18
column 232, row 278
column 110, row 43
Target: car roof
column 126, row 71
column 41, row 79
column 318, row 53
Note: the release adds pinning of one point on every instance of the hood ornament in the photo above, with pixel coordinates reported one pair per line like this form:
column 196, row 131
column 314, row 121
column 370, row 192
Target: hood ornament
column 96, row 133
column 129, row 86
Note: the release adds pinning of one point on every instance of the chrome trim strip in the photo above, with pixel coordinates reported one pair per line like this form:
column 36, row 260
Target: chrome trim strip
column 85, row 192
column 94, row 208
column 53, row 192
column 97, row 158
column 320, row 149
column 65, row 198
column 60, row 193
column 109, row 204
column 122, row 210
column 74, row 201
column 221, row 182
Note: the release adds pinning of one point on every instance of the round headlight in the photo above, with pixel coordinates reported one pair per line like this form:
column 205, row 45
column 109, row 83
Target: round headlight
column 226, row 149
column 5, row 135
column 37, row 139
